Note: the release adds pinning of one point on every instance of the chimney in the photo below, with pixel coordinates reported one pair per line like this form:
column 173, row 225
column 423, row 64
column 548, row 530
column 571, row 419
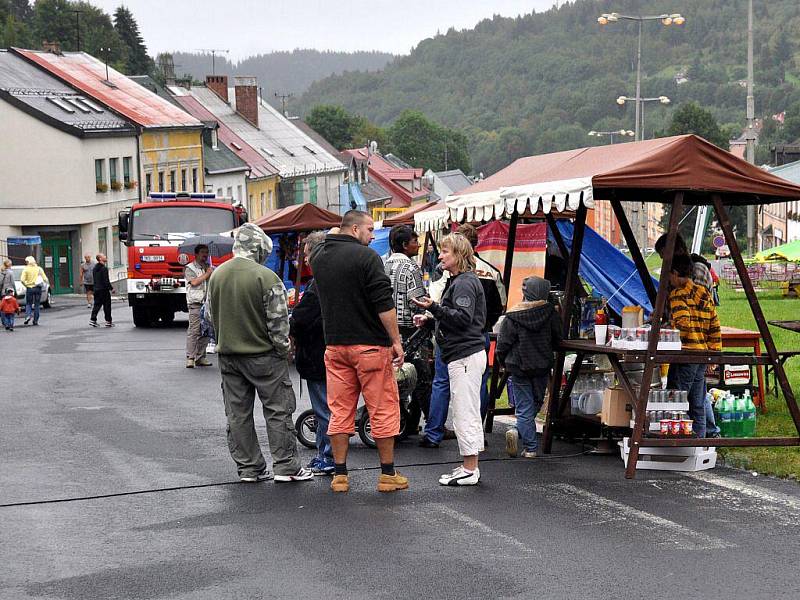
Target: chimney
column 219, row 85
column 247, row 98
column 51, row 47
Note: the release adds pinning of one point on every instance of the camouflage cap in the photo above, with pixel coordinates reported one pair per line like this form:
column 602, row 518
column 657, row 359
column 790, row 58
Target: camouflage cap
column 252, row 243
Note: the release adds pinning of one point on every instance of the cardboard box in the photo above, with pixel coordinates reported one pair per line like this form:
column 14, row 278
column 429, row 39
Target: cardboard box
column 617, row 408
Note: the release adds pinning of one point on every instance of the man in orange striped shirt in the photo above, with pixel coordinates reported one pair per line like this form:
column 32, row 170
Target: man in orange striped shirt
column 695, row 316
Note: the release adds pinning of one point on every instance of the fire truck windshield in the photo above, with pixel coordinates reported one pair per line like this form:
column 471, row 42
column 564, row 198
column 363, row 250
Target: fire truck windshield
column 157, row 222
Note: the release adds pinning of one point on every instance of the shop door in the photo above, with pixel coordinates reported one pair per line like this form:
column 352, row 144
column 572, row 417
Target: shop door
column 58, row 265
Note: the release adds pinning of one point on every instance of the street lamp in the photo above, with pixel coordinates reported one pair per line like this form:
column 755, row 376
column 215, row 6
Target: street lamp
column 611, row 134
column 641, row 102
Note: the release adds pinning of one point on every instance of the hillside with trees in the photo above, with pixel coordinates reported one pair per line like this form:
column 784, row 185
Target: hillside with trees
column 541, row 82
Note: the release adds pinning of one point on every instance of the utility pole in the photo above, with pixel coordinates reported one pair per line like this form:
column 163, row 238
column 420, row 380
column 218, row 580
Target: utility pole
column 284, row 98
column 107, row 51
column 213, row 52
column 750, row 133
column 78, row 28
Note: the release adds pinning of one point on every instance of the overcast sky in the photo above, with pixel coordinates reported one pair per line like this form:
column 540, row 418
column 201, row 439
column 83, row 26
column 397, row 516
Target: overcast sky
column 247, row 27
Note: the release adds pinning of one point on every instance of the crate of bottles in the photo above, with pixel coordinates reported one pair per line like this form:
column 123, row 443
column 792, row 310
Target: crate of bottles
column 735, row 415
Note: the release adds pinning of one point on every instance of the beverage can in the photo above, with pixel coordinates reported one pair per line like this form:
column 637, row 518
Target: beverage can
column 686, row 426
column 675, row 426
column 665, row 426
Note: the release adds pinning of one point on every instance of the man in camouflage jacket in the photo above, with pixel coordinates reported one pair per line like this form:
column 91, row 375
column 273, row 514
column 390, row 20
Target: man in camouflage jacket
column 250, row 317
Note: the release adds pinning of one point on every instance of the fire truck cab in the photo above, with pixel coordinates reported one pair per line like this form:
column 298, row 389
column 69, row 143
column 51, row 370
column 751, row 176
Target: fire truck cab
column 153, row 230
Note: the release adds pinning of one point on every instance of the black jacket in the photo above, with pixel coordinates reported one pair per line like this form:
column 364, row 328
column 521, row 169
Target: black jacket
column 460, row 318
column 528, row 337
column 305, row 327
column 101, row 281
column 353, row 290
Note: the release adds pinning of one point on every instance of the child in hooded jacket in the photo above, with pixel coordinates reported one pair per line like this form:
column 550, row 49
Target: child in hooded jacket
column 527, row 339
column 9, row 308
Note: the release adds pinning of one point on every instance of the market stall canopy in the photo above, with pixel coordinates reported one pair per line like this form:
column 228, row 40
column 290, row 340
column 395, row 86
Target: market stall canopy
column 786, row 253
column 407, row 217
column 298, row 218
column 647, row 171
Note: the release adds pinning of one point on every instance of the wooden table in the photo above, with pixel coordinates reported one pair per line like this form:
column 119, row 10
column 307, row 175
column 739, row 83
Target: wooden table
column 744, row 338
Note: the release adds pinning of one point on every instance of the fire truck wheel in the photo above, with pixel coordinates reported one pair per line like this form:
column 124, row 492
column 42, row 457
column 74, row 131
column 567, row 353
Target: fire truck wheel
column 141, row 318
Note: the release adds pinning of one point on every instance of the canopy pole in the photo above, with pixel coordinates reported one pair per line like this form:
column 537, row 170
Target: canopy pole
column 633, row 246
column 758, row 314
column 301, row 255
column 650, row 365
column 512, row 242
column 425, row 245
column 562, row 246
column 566, row 318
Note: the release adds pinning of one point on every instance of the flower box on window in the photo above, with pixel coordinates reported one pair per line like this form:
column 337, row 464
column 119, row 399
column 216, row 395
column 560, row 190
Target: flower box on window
column 130, row 185
column 101, row 187
column 116, row 186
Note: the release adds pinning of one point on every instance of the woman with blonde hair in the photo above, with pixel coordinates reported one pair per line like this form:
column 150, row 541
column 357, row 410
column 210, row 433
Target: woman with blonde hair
column 460, row 317
column 33, row 278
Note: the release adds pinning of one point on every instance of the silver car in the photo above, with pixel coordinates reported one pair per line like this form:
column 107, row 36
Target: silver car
column 47, row 293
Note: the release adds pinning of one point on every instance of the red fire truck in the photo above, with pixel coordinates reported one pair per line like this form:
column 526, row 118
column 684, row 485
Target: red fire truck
column 152, row 230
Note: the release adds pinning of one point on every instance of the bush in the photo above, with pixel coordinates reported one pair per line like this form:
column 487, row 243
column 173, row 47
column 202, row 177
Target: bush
column 116, row 186
column 101, row 187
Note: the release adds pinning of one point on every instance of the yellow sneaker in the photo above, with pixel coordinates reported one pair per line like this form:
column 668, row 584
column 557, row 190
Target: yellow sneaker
column 392, row 483
column 340, row 483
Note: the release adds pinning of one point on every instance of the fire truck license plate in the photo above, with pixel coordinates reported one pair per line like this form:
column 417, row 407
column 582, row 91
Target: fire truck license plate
column 152, row 258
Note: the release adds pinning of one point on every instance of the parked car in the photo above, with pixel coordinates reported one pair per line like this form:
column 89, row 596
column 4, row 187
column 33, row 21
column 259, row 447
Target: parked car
column 47, row 293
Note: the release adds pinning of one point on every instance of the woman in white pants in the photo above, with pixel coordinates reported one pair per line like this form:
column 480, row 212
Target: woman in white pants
column 460, row 318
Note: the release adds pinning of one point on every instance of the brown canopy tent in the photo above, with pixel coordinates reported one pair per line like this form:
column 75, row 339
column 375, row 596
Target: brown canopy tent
column 407, row 217
column 679, row 171
column 298, row 218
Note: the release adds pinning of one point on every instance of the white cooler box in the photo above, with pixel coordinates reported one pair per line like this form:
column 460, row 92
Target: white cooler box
column 696, row 458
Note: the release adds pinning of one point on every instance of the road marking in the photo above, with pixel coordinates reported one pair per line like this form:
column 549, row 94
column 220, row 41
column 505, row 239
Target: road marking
column 664, row 531
column 753, row 491
column 481, row 527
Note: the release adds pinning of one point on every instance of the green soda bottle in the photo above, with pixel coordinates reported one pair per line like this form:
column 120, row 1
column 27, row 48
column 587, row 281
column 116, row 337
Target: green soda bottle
column 725, row 414
column 749, row 423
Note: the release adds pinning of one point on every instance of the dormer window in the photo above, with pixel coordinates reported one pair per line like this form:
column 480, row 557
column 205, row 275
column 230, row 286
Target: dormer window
column 214, row 140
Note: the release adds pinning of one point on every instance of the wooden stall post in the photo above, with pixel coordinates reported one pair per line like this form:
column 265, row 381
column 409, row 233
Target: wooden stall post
column 301, row 255
column 566, row 319
column 758, row 314
column 650, row 364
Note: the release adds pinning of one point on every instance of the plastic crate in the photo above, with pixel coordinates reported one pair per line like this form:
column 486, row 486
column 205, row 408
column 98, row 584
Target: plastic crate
column 695, row 458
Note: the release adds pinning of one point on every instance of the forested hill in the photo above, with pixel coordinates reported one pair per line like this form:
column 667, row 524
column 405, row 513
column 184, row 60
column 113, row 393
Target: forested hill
column 539, row 83
column 284, row 72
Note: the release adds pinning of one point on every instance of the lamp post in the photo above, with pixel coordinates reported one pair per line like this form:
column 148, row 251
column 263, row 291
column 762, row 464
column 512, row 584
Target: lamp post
column 667, row 20
column 611, row 134
column 640, row 102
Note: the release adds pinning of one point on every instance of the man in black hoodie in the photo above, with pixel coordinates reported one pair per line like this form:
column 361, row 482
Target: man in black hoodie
column 102, row 291
column 528, row 335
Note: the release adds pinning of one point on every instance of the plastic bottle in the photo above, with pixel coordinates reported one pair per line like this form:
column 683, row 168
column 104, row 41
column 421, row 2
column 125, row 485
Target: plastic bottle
column 749, row 424
column 725, row 415
column 738, row 417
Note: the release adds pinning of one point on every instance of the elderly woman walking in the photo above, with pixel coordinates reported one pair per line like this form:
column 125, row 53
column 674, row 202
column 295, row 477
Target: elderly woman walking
column 6, row 277
column 460, row 318
column 33, row 278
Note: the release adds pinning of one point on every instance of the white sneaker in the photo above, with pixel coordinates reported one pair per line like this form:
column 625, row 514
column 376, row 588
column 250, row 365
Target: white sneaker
column 302, row 475
column 512, row 442
column 211, row 348
column 529, row 454
column 460, row 476
column 265, row 476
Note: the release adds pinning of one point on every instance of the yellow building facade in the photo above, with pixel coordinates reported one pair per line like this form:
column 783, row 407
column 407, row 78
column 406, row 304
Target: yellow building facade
column 262, row 195
column 171, row 160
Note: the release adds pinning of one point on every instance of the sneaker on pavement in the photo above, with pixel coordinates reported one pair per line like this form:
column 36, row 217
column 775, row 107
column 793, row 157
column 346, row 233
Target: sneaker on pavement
column 265, row 476
column 109, row 324
column 460, row 476
column 529, row 454
column 302, row 474
column 392, row 483
column 92, row 323
column 27, row 320
column 512, row 442
column 340, row 483
column 189, row 361
column 203, row 362
column 211, row 348
column 313, row 463
column 323, row 467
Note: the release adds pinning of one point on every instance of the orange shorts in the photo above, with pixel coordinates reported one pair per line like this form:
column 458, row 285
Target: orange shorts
column 367, row 370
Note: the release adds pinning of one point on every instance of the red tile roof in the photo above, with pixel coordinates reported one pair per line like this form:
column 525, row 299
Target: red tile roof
column 259, row 167
column 127, row 98
column 388, row 175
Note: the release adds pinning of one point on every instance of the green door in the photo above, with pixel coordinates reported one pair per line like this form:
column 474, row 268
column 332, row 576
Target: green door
column 57, row 256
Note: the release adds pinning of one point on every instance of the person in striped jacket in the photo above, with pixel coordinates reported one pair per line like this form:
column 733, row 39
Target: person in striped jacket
column 695, row 316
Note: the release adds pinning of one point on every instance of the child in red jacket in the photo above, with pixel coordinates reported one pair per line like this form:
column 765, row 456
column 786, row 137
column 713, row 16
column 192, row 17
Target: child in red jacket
column 9, row 308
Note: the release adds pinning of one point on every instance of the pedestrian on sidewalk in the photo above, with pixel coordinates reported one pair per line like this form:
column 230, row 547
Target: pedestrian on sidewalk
column 695, row 316
column 250, row 317
column 196, row 275
column 308, row 335
column 33, row 278
column 7, row 276
column 460, row 319
column 9, row 309
column 528, row 336
column 87, row 278
column 102, row 291
column 363, row 344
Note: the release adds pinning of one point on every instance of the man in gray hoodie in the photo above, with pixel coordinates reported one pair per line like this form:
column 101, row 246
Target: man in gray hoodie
column 528, row 336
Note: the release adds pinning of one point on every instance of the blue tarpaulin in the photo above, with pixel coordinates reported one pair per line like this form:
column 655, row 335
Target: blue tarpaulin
column 381, row 242
column 610, row 273
column 350, row 197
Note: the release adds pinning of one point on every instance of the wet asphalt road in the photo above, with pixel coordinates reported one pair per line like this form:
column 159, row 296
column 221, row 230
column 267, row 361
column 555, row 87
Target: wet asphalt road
column 98, row 423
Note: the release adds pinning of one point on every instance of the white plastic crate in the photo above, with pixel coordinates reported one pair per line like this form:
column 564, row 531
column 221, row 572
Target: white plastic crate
column 693, row 458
